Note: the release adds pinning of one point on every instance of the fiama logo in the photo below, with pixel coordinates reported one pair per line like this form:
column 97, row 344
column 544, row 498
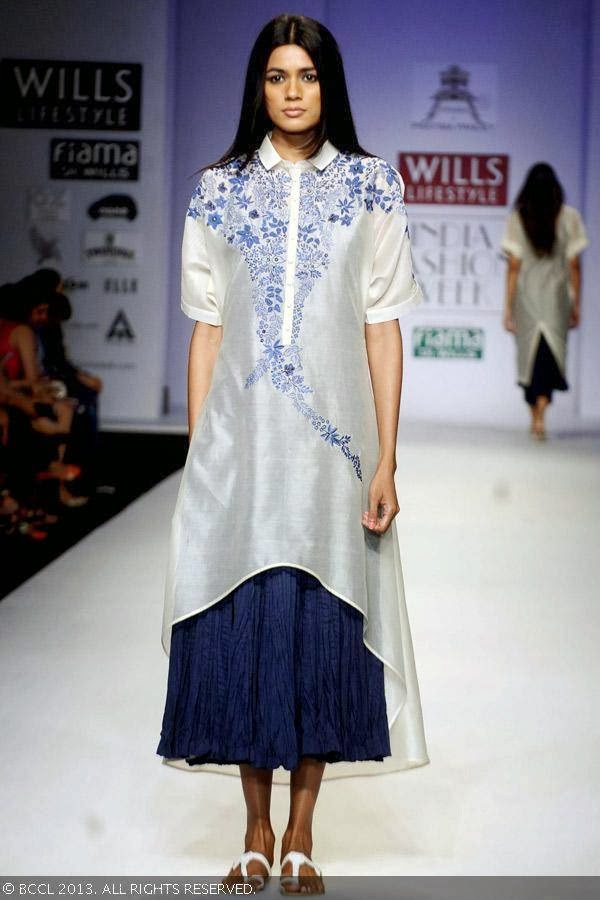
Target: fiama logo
column 454, row 178
column 94, row 159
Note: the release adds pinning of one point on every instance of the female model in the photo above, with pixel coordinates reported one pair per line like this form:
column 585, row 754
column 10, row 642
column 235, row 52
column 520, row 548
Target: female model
column 284, row 614
column 543, row 240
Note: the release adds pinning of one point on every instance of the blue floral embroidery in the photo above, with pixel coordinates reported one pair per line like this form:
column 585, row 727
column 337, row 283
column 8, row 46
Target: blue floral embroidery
column 256, row 221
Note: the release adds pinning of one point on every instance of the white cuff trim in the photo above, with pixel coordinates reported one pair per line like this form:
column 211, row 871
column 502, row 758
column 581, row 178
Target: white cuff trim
column 511, row 247
column 201, row 315
column 373, row 315
column 575, row 248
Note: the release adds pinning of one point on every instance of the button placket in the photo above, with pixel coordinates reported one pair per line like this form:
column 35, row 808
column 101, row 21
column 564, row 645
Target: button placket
column 290, row 266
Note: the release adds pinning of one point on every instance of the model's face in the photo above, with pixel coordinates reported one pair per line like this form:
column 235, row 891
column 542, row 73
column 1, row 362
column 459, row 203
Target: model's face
column 292, row 90
column 39, row 315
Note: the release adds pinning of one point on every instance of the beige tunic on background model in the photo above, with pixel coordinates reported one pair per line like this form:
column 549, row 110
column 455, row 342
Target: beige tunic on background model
column 543, row 296
column 292, row 259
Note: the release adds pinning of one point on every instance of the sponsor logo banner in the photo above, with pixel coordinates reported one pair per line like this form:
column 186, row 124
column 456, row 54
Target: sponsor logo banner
column 94, row 160
column 448, row 342
column 47, row 204
column 120, row 329
column 70, row 283
column 114, row 206
column 465, row 179
column 453, row 97
column 46, row 247
column 111, row 248
column 46, row 93
column 458, row 262
column 120, row 285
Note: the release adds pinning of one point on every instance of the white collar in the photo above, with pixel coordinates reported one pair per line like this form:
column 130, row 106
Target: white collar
column 270, row 157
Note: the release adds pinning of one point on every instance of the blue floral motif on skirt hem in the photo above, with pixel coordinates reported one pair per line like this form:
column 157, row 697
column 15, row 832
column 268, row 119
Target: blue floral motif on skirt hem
column 274, row 671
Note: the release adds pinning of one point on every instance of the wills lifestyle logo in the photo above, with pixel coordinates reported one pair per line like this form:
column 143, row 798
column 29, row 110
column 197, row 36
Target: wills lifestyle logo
column 454, row 179
column 453, row 97
column 94, row 160
column 45, row 93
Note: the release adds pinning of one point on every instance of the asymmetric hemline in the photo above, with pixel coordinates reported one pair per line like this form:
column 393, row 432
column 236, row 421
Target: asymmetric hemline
column 310, row 572
column 546, row 375
column 293, row 261
column 340, row 768
column 275, row 671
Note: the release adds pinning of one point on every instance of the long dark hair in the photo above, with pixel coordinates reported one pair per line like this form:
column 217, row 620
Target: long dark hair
column 335, row 124
column 538, row 204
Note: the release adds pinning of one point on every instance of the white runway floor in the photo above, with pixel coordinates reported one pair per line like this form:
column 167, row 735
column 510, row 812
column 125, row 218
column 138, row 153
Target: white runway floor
column 501, row 556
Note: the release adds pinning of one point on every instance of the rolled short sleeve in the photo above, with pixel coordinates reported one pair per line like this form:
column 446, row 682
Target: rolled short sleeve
column 393, row 288
column 198, row 296
column 514, row 235
column 577, row 237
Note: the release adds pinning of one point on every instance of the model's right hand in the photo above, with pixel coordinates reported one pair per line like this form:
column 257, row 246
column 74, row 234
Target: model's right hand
column 574, row 316
column 509, row 322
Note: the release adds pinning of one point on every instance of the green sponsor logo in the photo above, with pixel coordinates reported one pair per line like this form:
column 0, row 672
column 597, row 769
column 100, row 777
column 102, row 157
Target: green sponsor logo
column 455, row 343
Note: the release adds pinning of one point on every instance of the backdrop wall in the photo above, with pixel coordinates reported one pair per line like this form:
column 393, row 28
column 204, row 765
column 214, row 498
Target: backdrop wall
column 528, row 96
column 461, row 96
column 589, row 397
column 86, row 179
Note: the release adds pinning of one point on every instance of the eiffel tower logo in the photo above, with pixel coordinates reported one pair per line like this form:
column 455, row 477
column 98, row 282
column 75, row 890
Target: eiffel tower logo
column 454, row 96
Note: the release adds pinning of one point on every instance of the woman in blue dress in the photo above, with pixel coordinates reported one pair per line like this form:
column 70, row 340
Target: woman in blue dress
column 284, row 617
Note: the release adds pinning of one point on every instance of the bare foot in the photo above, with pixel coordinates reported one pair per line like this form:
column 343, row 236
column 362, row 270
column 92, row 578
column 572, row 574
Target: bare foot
column 308, row 882
column 69, row 499
column 262, row 842
column 64, row 471
column 45, row 425
column 8, row 504
column 537, row 429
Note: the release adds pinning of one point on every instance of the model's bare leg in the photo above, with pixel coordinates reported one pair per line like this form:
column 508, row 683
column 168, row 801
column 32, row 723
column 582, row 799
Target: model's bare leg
column 256, row 785
column 538, row 415
column 305, row 782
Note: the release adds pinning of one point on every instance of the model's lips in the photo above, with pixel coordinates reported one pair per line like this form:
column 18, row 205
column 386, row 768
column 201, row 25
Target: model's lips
column 294, row 111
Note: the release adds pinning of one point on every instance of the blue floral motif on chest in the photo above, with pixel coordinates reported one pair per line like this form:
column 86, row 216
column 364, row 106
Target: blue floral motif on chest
column 250, row 208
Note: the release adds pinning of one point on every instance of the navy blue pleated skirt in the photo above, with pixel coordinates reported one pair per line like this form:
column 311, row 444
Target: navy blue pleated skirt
column 274, row 671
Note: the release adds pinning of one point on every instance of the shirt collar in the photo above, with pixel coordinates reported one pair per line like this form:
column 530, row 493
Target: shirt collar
column 270, row 157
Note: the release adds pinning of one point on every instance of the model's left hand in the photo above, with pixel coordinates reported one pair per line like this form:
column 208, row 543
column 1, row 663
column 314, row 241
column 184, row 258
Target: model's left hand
column 574, row 316
column 382, row 497
column 508, row 322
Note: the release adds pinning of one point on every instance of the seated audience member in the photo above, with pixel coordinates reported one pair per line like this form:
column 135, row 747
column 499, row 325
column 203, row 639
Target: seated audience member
column 21, row 311
column 80, row 384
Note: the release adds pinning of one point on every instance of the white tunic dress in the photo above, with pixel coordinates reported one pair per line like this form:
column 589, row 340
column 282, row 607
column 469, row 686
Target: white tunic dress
column 292, row 259
column 543, row 301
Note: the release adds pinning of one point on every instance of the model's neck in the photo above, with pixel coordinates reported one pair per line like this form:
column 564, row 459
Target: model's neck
column 293, row 147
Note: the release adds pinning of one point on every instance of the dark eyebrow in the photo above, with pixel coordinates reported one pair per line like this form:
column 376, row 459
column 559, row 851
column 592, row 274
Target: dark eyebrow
column 306, row 69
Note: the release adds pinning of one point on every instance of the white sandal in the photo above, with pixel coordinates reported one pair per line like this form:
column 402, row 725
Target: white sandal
column 297, row 859
column 243, row 861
